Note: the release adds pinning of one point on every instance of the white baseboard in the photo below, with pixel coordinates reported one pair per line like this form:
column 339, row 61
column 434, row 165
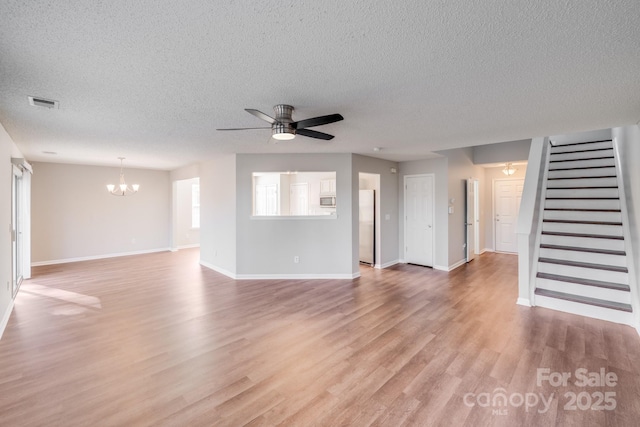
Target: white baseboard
column 5, row 318
column 193, row 245
column 524, row 301
column 218, row 269
column 486, row 250
column 451, row 267
column 387, row 264
column 89, row 258
column 457, row 264
column 278, row 276
column 297, row 276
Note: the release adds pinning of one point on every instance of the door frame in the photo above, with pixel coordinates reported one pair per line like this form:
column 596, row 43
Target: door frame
column 433, row 214
column 475, row 182
column 378, row 215
column 493, row 209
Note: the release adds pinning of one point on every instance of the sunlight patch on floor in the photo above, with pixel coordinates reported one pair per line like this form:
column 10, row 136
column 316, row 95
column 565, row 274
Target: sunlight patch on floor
column 61, row 294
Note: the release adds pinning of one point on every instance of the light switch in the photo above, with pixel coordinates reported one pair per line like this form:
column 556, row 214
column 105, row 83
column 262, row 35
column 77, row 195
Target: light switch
column 450, row 209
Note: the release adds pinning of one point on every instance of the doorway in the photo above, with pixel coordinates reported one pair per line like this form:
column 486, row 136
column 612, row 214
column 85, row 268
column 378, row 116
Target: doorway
column 419, row 219
column 507, row 196
column 369, row 227
column 185, row 214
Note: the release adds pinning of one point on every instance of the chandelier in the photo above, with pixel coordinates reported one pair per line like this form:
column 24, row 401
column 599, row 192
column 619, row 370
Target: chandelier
column 122, row 189
column 509, row 169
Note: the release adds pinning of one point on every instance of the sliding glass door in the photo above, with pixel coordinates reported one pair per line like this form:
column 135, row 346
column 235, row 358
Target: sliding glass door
column 16, row 230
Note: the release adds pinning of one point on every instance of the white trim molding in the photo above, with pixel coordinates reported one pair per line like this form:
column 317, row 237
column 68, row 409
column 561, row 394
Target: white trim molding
column 387, row 264
column 193, row 245
column 524, row 302
column 220, row 270
column 94, row 257
column 235, row 276
column 297, row 276
column 5, row 318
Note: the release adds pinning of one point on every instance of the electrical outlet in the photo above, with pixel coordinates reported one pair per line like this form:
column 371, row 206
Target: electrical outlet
column 296, row 259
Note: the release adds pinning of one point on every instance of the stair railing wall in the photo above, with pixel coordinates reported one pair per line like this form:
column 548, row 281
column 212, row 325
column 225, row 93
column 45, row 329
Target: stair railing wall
column 626, row 141
column 529, row 217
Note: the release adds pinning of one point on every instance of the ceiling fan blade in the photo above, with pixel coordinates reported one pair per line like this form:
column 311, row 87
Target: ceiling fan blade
column 314, row 134
column 317, row 121
column 242, row 128
column 260, row 115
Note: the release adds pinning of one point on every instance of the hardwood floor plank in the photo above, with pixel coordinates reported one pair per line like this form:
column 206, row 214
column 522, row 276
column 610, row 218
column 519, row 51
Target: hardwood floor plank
column 158, row 340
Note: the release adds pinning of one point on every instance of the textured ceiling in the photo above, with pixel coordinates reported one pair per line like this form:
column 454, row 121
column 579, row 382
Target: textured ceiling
column 151, row 80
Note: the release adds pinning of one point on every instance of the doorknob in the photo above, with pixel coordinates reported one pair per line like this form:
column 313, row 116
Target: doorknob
column 497, row 220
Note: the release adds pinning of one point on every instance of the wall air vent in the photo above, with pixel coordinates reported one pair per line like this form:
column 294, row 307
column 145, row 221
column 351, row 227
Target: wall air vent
column 42, row 102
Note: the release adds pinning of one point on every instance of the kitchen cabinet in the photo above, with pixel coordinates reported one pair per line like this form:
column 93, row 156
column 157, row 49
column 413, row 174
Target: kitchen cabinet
column 328, row 187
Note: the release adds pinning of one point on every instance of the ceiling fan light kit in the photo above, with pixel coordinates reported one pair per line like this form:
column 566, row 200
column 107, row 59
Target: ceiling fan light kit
column 283, row 127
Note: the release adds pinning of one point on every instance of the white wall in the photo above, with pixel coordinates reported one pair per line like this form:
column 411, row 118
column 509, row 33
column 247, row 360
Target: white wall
column 460, row 168
column 218, row 214
column 186, row 172
column 7, row 150
column 266, row 246
column 386, row 207
column 491, row 176
column 74, row 217
column 438, row 167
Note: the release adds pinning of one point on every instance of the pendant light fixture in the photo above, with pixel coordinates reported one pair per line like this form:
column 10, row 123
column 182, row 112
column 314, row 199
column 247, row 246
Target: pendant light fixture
column 509, row 169
column 122, row 189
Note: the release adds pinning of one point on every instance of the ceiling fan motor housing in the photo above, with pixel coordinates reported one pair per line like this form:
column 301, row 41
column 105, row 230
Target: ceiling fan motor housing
column 283, row 121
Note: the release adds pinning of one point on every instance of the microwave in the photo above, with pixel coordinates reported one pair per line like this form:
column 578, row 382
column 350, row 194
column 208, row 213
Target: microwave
column 328, row 201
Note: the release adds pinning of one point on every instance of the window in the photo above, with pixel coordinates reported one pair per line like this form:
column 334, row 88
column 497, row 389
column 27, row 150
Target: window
column 195, row 206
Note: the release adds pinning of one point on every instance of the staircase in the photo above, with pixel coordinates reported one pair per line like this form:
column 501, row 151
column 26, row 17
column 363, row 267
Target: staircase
column 582, row 264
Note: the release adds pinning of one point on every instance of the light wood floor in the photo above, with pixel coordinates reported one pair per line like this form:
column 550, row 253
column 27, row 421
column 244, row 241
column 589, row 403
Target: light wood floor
column 159, row 340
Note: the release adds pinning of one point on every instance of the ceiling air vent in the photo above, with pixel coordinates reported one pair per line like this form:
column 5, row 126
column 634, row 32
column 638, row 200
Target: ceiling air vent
column 42, row 102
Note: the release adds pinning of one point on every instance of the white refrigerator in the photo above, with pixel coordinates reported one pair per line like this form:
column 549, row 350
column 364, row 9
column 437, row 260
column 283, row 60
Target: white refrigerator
column 367, row 226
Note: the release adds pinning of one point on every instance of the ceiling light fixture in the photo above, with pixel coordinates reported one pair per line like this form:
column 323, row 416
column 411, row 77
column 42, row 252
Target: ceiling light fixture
column 509, row 169
column 122, row 189
column 282, row 128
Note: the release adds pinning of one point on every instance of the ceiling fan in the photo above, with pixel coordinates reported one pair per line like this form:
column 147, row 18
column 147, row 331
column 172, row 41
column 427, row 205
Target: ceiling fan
column 284, row 128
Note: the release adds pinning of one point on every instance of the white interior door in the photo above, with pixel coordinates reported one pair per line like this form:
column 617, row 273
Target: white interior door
column 418, row 208
column 507, row 196
column 299, row 199
column 471, row 218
